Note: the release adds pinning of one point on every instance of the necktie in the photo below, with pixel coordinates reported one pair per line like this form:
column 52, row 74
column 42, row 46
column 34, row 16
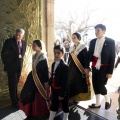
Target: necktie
column 19, row 47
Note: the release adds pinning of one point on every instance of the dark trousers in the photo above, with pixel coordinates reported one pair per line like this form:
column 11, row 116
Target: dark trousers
column 13, row 79
column 56, row 103
column 99, row 80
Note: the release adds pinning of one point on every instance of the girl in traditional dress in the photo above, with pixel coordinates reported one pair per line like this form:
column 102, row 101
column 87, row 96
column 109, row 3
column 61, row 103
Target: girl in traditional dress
column 77, row 82
column 35, row 90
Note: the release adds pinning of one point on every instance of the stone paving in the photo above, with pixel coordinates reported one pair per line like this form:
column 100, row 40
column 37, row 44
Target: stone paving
column 112, row 87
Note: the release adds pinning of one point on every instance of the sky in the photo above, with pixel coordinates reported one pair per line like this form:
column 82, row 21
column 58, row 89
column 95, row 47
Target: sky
column 104, row 11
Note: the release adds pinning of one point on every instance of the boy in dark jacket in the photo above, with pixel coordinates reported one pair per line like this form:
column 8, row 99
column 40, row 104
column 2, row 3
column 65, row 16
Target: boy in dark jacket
column 59, row 84
column 102, row 55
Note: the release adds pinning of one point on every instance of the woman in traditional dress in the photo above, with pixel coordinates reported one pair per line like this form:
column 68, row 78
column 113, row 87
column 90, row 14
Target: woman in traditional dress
column 36, row 89
column 77, row 82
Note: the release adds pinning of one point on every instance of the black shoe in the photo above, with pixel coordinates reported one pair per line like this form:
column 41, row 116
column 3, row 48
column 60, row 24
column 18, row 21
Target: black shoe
column 108, row 105
column 93, row 106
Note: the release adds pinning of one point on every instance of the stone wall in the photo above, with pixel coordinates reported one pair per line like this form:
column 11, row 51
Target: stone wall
column 14, row 14
column 36, row 17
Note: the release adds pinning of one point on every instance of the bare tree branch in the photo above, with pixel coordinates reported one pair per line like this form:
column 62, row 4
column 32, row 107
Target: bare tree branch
column 76, row 23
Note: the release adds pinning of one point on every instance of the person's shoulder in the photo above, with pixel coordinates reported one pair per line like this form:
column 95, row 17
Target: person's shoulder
column 93, row 40
column 64, row 65
column 10, row 39
column 110, row 39
column 42, row 62
column 52, row 64
column 43, row 56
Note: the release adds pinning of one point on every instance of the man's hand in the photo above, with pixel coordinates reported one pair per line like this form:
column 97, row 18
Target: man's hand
column 60, row 98
column 108, row 76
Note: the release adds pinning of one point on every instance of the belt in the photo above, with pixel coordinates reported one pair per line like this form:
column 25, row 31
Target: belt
column 95, row 61
column 104, row 64
column 101, row 65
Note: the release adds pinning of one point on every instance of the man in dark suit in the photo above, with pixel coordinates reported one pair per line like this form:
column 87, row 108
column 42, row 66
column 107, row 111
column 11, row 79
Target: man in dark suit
column 102, row 55
column 12, row 56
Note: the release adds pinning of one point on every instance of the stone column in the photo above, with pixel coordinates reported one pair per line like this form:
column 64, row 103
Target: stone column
column 44, row 20
column 48, row 27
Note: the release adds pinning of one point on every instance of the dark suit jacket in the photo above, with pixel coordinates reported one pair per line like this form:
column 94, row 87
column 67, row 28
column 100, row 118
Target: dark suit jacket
column 61, row 77
column 10, row 55
column 107, row 54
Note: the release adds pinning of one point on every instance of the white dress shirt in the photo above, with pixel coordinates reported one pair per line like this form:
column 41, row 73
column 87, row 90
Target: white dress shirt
column 97, row 52
column 56, row 65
